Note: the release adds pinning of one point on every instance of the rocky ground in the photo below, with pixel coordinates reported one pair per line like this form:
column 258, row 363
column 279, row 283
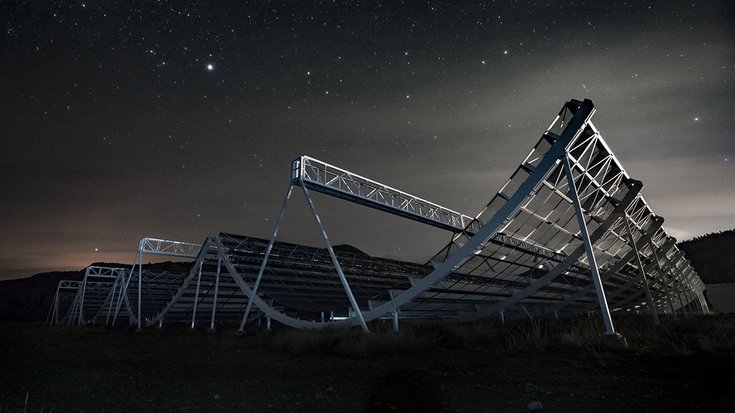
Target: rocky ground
column 102, row 370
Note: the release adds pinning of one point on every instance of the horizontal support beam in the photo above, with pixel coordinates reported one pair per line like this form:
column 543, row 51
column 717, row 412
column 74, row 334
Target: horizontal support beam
column 340, row 183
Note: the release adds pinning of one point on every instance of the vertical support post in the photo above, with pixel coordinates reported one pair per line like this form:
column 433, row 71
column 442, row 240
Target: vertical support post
column 140, row 285
column 633, row 245
column 341, row 274
column 602, row 301
column 216, row 291
column 394, row 312
column 267, row 255
column 502, row 316
column 196, row 296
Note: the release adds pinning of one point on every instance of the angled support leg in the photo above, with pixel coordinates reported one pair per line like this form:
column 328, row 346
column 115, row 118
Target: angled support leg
column 611, row 336
column 341, row 274
column 216, row 292
column 55, row 315
column 649, row 299
column 703, row 299
column 112, row 298
column 123, row 292
column 281, row 213
column 663, row 281
column 50, row 316
column 196, row 296
column 70, row 317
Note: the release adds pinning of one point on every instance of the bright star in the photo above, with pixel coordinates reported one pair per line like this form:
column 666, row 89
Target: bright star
column 696, row 119
column 210, row 67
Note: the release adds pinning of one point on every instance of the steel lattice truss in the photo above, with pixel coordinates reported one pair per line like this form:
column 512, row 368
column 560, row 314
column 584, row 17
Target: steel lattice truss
column 569, row 232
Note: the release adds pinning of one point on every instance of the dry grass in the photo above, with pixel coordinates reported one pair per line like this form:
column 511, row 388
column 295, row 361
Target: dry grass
column 698, row 335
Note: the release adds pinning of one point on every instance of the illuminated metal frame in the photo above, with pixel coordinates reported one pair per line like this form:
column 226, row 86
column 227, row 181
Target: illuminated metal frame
column 152, row 246
column 568, row 232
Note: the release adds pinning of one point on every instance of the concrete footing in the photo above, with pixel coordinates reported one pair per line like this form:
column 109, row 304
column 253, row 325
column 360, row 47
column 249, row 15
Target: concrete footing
column 614, row 342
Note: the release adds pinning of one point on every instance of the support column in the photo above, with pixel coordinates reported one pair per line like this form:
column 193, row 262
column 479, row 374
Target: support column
column 651, row 304
column 140, row 286
column 341, row 274
column 611, row 339
column 394, row 313
column 281, row 213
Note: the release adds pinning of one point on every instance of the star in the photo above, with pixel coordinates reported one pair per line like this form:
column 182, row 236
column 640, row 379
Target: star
column 696, row 118
column 210, row 67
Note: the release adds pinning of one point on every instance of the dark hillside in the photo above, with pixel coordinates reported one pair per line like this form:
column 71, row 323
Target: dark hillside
column 29, row 299
column 713, row 256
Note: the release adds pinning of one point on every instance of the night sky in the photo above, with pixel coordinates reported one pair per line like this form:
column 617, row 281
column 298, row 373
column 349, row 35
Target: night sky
column 179, row 120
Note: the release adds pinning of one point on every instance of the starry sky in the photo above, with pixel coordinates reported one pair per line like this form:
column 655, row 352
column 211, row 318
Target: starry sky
column 179, row 120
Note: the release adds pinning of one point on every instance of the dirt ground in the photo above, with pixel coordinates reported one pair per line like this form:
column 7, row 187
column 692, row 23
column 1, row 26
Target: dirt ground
column 102, row 370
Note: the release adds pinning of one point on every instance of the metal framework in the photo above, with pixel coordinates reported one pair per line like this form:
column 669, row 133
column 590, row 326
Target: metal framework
column 328, row 179
column 569, row 232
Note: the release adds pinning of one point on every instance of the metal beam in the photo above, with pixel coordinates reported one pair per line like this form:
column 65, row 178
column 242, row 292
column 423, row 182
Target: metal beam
column 594, row 270
column 328, row 179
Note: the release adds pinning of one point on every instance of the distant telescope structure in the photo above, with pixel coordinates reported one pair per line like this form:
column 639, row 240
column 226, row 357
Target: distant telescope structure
column 569, row 232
